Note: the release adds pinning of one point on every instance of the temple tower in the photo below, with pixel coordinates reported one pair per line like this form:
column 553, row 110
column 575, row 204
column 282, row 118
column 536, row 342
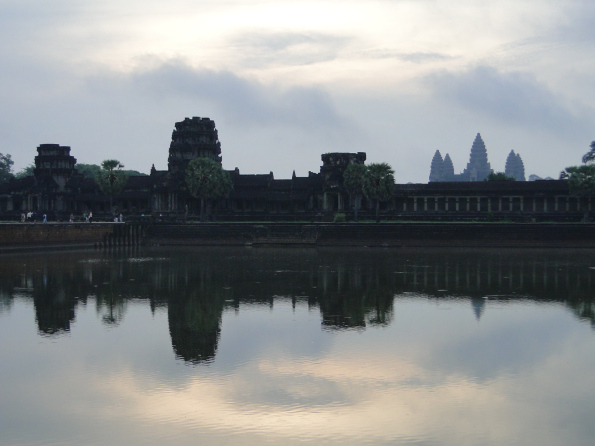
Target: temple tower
column 334, row 164
column 193, row 138
column 441, row 169
column 478, row 167
column 437, row 167
column 54, row 163
column 515, row 167
column 448, row 169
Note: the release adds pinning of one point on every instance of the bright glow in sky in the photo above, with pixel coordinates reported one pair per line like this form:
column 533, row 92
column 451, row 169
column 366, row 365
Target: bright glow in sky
column 286, row 81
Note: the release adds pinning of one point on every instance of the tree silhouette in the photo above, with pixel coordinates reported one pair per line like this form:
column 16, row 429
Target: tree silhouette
column 581, row 179
column 379, row 184
column 589, row 157
column 499, row 176
column 353, row 180
column 25, row 171
column 6, row 164
column 206, row 179
column 111, row 179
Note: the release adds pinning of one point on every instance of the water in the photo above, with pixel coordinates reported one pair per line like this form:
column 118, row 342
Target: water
column 297, row 346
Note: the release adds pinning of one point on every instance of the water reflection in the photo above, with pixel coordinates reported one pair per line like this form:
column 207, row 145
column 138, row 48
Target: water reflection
column 352, row 289
column 276, row 346
column 195, row 321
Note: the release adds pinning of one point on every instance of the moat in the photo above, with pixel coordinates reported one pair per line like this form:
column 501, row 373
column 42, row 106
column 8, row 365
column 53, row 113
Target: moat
column 153, row 345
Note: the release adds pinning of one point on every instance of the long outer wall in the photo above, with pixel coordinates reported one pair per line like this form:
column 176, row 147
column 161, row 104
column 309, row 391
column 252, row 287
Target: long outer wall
column 564, row 235
column 23, row 236
column 15, row 236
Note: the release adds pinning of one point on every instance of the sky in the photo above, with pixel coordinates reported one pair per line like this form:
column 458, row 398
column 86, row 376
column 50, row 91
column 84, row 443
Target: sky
column 286, row 81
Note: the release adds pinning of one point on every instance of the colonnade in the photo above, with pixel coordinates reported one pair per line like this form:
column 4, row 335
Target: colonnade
column 507, row 203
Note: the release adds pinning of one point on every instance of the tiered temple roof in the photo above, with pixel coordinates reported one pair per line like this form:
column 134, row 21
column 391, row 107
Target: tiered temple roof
column 478, row 168
column 515, row 167
column 193, row 138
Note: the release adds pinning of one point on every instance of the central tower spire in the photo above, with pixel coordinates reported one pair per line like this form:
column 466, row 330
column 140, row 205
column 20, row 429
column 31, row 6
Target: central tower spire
column 478, row 167
column 193, row 138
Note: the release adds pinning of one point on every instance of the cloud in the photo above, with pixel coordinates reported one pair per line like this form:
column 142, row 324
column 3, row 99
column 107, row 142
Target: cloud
column 289, row 80
column 418, row 57
column 263, row 49
column 244, row 101
column 129, row 116
column 575, row 21
column 510, row 97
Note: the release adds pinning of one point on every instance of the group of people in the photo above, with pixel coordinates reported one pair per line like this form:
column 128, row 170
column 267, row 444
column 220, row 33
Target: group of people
column 31, row 217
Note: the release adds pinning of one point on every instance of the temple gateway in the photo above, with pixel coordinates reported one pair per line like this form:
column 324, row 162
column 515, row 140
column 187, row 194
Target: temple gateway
column 56, row 188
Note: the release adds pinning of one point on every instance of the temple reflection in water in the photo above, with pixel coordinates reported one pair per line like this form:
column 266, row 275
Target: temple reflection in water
column 351, row 288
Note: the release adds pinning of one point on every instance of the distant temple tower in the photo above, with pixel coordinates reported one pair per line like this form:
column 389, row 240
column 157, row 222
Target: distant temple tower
column 515, row 167
column 448, row 168
column 478, row 167
column 437, row 168
column 193, row 138
column 442, row 169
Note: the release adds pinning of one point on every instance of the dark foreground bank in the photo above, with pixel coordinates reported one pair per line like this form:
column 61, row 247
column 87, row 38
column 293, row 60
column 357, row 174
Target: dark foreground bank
column 551, row 235
column 27, row 236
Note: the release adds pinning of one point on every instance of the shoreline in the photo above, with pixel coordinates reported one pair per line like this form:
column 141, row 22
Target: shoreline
column 27, row 236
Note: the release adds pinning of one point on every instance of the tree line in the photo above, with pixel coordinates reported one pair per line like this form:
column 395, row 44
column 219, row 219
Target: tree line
column 87, row 170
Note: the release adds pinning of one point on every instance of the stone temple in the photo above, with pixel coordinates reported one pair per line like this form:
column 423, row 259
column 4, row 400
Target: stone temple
column 193, row 138
column 514, row 166
column 58, row 189
column 478, row 168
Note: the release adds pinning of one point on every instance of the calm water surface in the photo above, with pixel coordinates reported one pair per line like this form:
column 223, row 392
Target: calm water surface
column 297, row 346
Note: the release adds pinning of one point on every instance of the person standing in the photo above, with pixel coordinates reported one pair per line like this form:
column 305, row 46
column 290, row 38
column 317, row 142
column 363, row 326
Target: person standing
column 22, row 217
column 71, row 218
column 45, row 218
column 90, row 216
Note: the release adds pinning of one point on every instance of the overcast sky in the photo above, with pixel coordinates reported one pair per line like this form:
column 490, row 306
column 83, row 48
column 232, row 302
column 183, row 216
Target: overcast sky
column 286, row 80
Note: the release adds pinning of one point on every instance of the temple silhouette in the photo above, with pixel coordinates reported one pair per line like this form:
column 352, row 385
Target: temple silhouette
column 58, row 189
column 478, row 168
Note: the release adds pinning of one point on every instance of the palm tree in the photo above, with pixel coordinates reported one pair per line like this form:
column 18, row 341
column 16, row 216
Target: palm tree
column 353, row 180
column 206, row 179
column 111, row 179
column 379, row 184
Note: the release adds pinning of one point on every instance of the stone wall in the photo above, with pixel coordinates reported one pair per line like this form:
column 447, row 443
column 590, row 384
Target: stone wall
column 43, row 235
column 15, row 236
column 385, row 234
